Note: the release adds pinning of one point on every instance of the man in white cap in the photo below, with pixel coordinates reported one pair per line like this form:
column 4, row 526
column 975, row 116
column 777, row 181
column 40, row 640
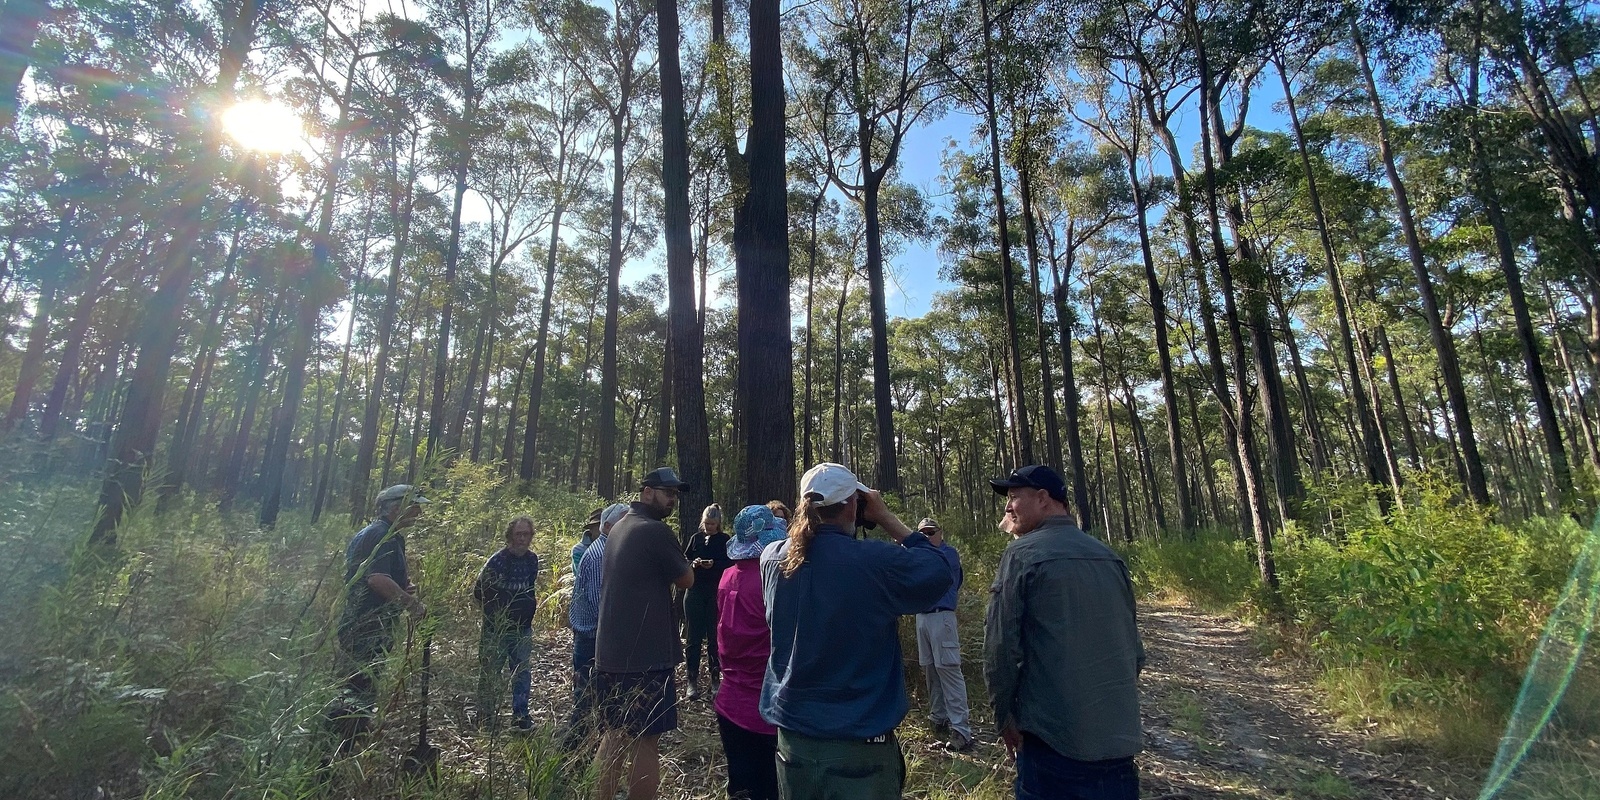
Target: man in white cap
column 377, row 586
column 835, row 687
column 939, row 650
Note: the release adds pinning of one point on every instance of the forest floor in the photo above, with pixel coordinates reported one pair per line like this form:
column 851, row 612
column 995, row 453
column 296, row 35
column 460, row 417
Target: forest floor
column 1222, row 720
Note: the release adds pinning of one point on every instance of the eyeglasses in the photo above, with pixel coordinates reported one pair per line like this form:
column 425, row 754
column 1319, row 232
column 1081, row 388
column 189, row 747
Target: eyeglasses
column 671, row 492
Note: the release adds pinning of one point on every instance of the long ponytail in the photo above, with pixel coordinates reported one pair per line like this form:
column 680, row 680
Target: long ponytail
column 801, row 531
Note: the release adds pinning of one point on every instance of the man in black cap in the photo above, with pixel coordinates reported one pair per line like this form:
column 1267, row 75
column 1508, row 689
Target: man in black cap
column 636, row 641
column 1066, row 697
column 377, row 586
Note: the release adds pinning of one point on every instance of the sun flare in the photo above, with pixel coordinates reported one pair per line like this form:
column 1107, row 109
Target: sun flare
column 266, row 126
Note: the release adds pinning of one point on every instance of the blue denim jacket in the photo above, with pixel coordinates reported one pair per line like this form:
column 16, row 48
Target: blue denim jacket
column 835, row 670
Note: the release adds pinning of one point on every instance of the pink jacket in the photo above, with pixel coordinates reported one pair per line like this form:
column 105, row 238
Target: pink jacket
column 743, row 644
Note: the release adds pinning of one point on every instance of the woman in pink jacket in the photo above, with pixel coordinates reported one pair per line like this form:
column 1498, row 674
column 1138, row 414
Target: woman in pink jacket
column 743, row 644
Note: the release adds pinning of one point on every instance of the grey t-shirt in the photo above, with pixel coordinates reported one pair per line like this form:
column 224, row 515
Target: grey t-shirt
column 636, row 631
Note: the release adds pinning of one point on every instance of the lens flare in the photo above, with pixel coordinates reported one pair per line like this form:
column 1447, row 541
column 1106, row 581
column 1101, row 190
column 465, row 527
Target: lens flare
column 266, row 126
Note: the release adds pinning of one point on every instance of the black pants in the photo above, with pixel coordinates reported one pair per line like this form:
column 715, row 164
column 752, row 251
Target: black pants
column 700, row 618
column 752, row 761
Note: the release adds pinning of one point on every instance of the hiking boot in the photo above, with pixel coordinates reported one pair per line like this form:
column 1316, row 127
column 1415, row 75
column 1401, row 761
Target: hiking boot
column 940, row 727
column 523, row 724
column 693, row 693
column 960, row 744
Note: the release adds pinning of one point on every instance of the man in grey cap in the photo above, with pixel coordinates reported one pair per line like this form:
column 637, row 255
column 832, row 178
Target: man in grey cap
column 1061, row 650
column 939, row 650
column 377, row 586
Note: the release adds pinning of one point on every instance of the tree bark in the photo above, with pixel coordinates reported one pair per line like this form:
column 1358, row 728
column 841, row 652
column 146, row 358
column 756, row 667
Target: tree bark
column 319, row 287
column 1065, row 319
column 607, row 445
column 1052, row 434
column 1505, row 250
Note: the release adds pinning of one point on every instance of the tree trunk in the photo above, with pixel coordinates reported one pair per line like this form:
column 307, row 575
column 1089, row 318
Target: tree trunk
column 319, row 287
column 765, row 346
column 838, row 365
column 607, row 446
column 508, row 448
column 1065, row 319
column 1052, row 434
column 441, row 353
column 809, row 414
column 1443, row 343
column 261, row 360
column 33, row 355
column 1007, row 276
column 336, row 421
column 1505, row 250
column 688, row 378
column 179, row 454
column 1169, row 389
column 530, row 434
column 400, row 218
column 1208, row 312
column 1252, row 502
column 1373, row 458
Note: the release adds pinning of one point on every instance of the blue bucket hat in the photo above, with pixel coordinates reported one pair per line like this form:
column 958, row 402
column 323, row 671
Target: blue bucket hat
column 753, row 530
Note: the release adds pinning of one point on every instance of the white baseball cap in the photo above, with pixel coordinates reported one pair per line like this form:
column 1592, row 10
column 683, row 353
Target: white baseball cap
column 830, row 483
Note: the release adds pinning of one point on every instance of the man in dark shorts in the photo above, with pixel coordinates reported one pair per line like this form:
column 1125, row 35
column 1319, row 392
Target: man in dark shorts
column 636, row 642
column 377, row 586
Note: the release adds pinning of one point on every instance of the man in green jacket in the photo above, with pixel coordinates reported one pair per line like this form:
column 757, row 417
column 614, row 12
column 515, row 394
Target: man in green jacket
column 1065, row 695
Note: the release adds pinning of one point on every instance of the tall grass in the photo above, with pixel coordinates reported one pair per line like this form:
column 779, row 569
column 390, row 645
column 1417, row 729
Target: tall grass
column 195, row 661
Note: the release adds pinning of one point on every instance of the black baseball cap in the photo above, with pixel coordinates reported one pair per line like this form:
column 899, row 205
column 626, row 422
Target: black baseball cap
column 1033, row 476
column 664, row 478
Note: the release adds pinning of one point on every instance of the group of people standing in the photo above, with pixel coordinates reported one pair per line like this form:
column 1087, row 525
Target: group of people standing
column 798, row 619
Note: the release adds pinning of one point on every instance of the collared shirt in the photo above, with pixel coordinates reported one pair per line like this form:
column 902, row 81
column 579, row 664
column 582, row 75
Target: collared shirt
column 948, row 601
column 1061, row 650
column 376, row 550
column 584, row 614
column 835, row 670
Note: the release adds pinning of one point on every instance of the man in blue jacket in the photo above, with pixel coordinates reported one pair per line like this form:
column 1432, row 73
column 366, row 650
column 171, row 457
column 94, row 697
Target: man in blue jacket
column 835, row 687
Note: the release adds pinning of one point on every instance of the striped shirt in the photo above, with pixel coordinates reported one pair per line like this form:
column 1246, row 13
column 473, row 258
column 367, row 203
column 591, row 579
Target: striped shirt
column 584, row 615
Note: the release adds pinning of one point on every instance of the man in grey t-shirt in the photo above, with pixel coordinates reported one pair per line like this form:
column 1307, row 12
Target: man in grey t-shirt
column 636, row 641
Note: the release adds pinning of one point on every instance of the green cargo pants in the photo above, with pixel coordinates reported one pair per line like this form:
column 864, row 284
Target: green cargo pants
column 839, row 769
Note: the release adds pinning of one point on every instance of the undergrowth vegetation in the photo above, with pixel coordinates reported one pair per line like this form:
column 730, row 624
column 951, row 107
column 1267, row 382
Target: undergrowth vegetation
column 195, row 660
column 1420, row 623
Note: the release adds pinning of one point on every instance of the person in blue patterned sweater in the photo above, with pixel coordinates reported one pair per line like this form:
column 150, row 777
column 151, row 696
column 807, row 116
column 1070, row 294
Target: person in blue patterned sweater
column 506, row 591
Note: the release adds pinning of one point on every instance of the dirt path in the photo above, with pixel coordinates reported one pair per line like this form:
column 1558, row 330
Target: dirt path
column 1222, row 721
